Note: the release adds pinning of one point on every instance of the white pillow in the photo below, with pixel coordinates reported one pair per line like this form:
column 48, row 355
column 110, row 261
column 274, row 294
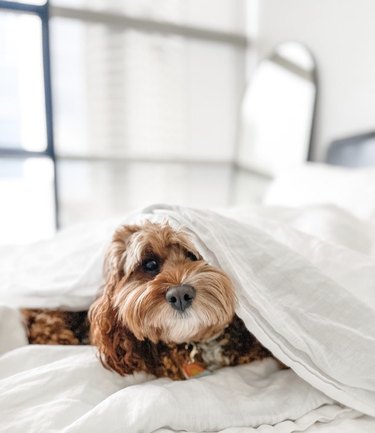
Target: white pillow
column 352, row 189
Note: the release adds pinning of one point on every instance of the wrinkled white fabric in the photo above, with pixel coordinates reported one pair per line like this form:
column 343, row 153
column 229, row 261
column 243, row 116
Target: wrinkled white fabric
column 12, row 334
column 320, row 328
column 308, row 297
column 66, row 389
column 326, row 222
column 64, row 272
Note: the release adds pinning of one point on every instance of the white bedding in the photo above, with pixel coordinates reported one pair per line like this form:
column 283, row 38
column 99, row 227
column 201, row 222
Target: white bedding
column 315, row 183
column 308, row 296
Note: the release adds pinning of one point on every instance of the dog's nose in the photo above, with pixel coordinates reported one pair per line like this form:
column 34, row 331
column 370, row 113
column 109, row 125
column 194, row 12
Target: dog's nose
column 180, row 297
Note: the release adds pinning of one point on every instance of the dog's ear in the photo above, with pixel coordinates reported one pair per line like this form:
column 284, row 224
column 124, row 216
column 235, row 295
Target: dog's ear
column 119, row 350
column 114, row 261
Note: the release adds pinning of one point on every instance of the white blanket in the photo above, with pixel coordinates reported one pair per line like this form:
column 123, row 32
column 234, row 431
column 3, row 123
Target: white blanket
column 292, row 295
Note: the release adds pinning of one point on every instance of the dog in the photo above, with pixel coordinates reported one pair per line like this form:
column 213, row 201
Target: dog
column 164, row 310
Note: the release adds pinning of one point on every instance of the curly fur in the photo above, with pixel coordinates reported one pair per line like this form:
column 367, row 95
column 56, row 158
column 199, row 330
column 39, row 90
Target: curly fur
column 133, row 326
column 56, row 327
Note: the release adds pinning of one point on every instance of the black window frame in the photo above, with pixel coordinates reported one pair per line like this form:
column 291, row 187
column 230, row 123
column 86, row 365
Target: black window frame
column 41, row 11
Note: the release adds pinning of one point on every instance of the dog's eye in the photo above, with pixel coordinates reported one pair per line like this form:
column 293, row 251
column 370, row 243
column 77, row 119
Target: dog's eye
column 151, row 266
column 191, row 256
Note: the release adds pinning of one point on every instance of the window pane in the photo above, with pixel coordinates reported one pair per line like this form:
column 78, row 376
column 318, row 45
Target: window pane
column 138, row 94
column 225, row 15
column 22, row 109
column 27, row 200
column 107, row 189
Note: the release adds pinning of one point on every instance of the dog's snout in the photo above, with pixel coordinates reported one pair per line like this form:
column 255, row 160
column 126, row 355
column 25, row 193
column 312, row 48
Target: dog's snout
column 180, row 297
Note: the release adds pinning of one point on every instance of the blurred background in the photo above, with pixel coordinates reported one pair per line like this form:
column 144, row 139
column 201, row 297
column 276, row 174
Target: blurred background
column 110, row 105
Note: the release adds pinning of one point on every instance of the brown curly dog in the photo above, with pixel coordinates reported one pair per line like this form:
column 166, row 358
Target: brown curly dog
column 164, row 310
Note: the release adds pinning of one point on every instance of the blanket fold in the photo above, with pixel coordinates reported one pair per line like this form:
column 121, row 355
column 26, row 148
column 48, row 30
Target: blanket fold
column 312, row 324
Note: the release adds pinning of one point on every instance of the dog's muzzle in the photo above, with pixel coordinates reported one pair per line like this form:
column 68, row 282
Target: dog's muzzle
column 180, row 297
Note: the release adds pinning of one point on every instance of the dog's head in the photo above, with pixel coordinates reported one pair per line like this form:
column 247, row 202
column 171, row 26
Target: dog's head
column 159, row 288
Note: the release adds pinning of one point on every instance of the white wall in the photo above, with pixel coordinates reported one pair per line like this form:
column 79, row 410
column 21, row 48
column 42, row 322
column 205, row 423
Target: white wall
column 341, row 35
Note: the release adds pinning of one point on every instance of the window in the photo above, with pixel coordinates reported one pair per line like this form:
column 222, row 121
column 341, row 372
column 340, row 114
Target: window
column 145, row 97
column 27, row 181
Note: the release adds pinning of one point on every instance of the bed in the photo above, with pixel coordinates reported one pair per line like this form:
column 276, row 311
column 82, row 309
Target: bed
column 304, row 267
